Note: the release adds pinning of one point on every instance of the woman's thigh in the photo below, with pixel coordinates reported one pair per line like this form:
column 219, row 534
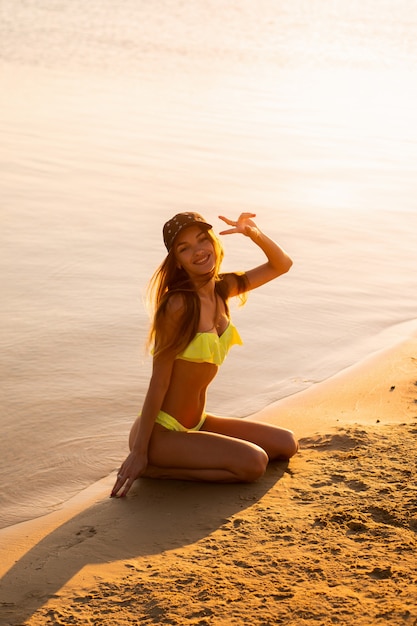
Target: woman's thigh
column 278, row 443
column 206, row 451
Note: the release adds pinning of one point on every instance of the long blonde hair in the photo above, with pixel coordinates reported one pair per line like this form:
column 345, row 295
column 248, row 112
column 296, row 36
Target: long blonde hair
column 168, row 280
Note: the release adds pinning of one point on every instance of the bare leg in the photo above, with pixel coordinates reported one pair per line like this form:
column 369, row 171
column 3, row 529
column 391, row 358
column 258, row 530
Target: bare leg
column 278, row 443
column 204, row 456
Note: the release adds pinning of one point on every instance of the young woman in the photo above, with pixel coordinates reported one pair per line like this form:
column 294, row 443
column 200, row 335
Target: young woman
column 191, row 334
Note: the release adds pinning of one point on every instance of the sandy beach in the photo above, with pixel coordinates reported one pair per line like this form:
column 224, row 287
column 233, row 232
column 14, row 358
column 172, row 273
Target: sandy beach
column 329, row 538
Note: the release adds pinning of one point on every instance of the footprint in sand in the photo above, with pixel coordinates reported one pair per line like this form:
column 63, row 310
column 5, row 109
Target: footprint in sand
column 84, row 533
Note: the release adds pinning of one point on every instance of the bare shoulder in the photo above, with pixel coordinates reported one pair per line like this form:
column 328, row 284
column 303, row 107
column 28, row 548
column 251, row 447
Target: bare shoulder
column 175, row 305
column 171, row 316
column 168, row 324
column 234, row 283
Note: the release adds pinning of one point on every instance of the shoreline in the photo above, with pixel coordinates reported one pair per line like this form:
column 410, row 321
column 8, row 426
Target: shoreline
column 357, row 433
column 381, row 377
column 284, row 410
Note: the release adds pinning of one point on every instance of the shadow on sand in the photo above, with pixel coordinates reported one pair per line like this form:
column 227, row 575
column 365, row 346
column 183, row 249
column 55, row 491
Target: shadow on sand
column 155, row 517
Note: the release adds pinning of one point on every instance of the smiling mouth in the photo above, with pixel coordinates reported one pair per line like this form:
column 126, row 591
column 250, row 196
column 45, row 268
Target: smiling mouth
column 203, row 260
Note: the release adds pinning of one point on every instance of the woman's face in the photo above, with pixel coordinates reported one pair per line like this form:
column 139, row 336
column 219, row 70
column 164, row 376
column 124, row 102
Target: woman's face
column 194, row 251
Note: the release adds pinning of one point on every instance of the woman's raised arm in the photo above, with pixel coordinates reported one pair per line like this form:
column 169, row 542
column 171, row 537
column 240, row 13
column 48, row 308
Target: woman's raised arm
column 278, row 261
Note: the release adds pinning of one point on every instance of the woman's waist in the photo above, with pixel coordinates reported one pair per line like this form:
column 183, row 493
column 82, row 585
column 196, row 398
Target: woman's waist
column 188, row 375
column 186, row 413
column 186, row 396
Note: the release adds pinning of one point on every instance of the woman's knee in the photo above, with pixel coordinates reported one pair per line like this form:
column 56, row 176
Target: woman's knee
column 292, row 444
column 288, row 445
column 252, row 464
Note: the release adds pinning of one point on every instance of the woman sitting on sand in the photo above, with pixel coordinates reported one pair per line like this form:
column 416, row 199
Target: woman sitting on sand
column 173, row 437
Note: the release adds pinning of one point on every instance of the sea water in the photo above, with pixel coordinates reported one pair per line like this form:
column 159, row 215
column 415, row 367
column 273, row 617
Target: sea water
column 116, row 115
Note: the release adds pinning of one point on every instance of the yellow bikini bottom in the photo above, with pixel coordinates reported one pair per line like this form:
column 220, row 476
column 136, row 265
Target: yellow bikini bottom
column 169, row 422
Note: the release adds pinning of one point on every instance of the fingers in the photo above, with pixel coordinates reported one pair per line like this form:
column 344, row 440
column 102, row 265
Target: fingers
column 227, row 220
column 128, row 485
column 229, row 232
column 122, row 481
column 236, row 223
column 131, row 469
column 241, row 225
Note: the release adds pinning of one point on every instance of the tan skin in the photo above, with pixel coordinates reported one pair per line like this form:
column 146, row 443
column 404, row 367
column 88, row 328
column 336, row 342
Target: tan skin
column 226, row 449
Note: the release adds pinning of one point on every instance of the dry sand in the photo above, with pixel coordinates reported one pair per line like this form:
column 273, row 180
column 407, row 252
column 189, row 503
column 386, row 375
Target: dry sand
column 329, row 538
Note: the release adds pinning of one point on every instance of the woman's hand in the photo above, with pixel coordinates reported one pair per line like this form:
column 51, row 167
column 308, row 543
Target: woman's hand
column 244, row 225
column 278, row 261
column 133, row 467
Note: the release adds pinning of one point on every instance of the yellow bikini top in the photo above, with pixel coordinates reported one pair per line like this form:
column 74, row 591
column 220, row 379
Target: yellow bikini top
column 209, row 347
